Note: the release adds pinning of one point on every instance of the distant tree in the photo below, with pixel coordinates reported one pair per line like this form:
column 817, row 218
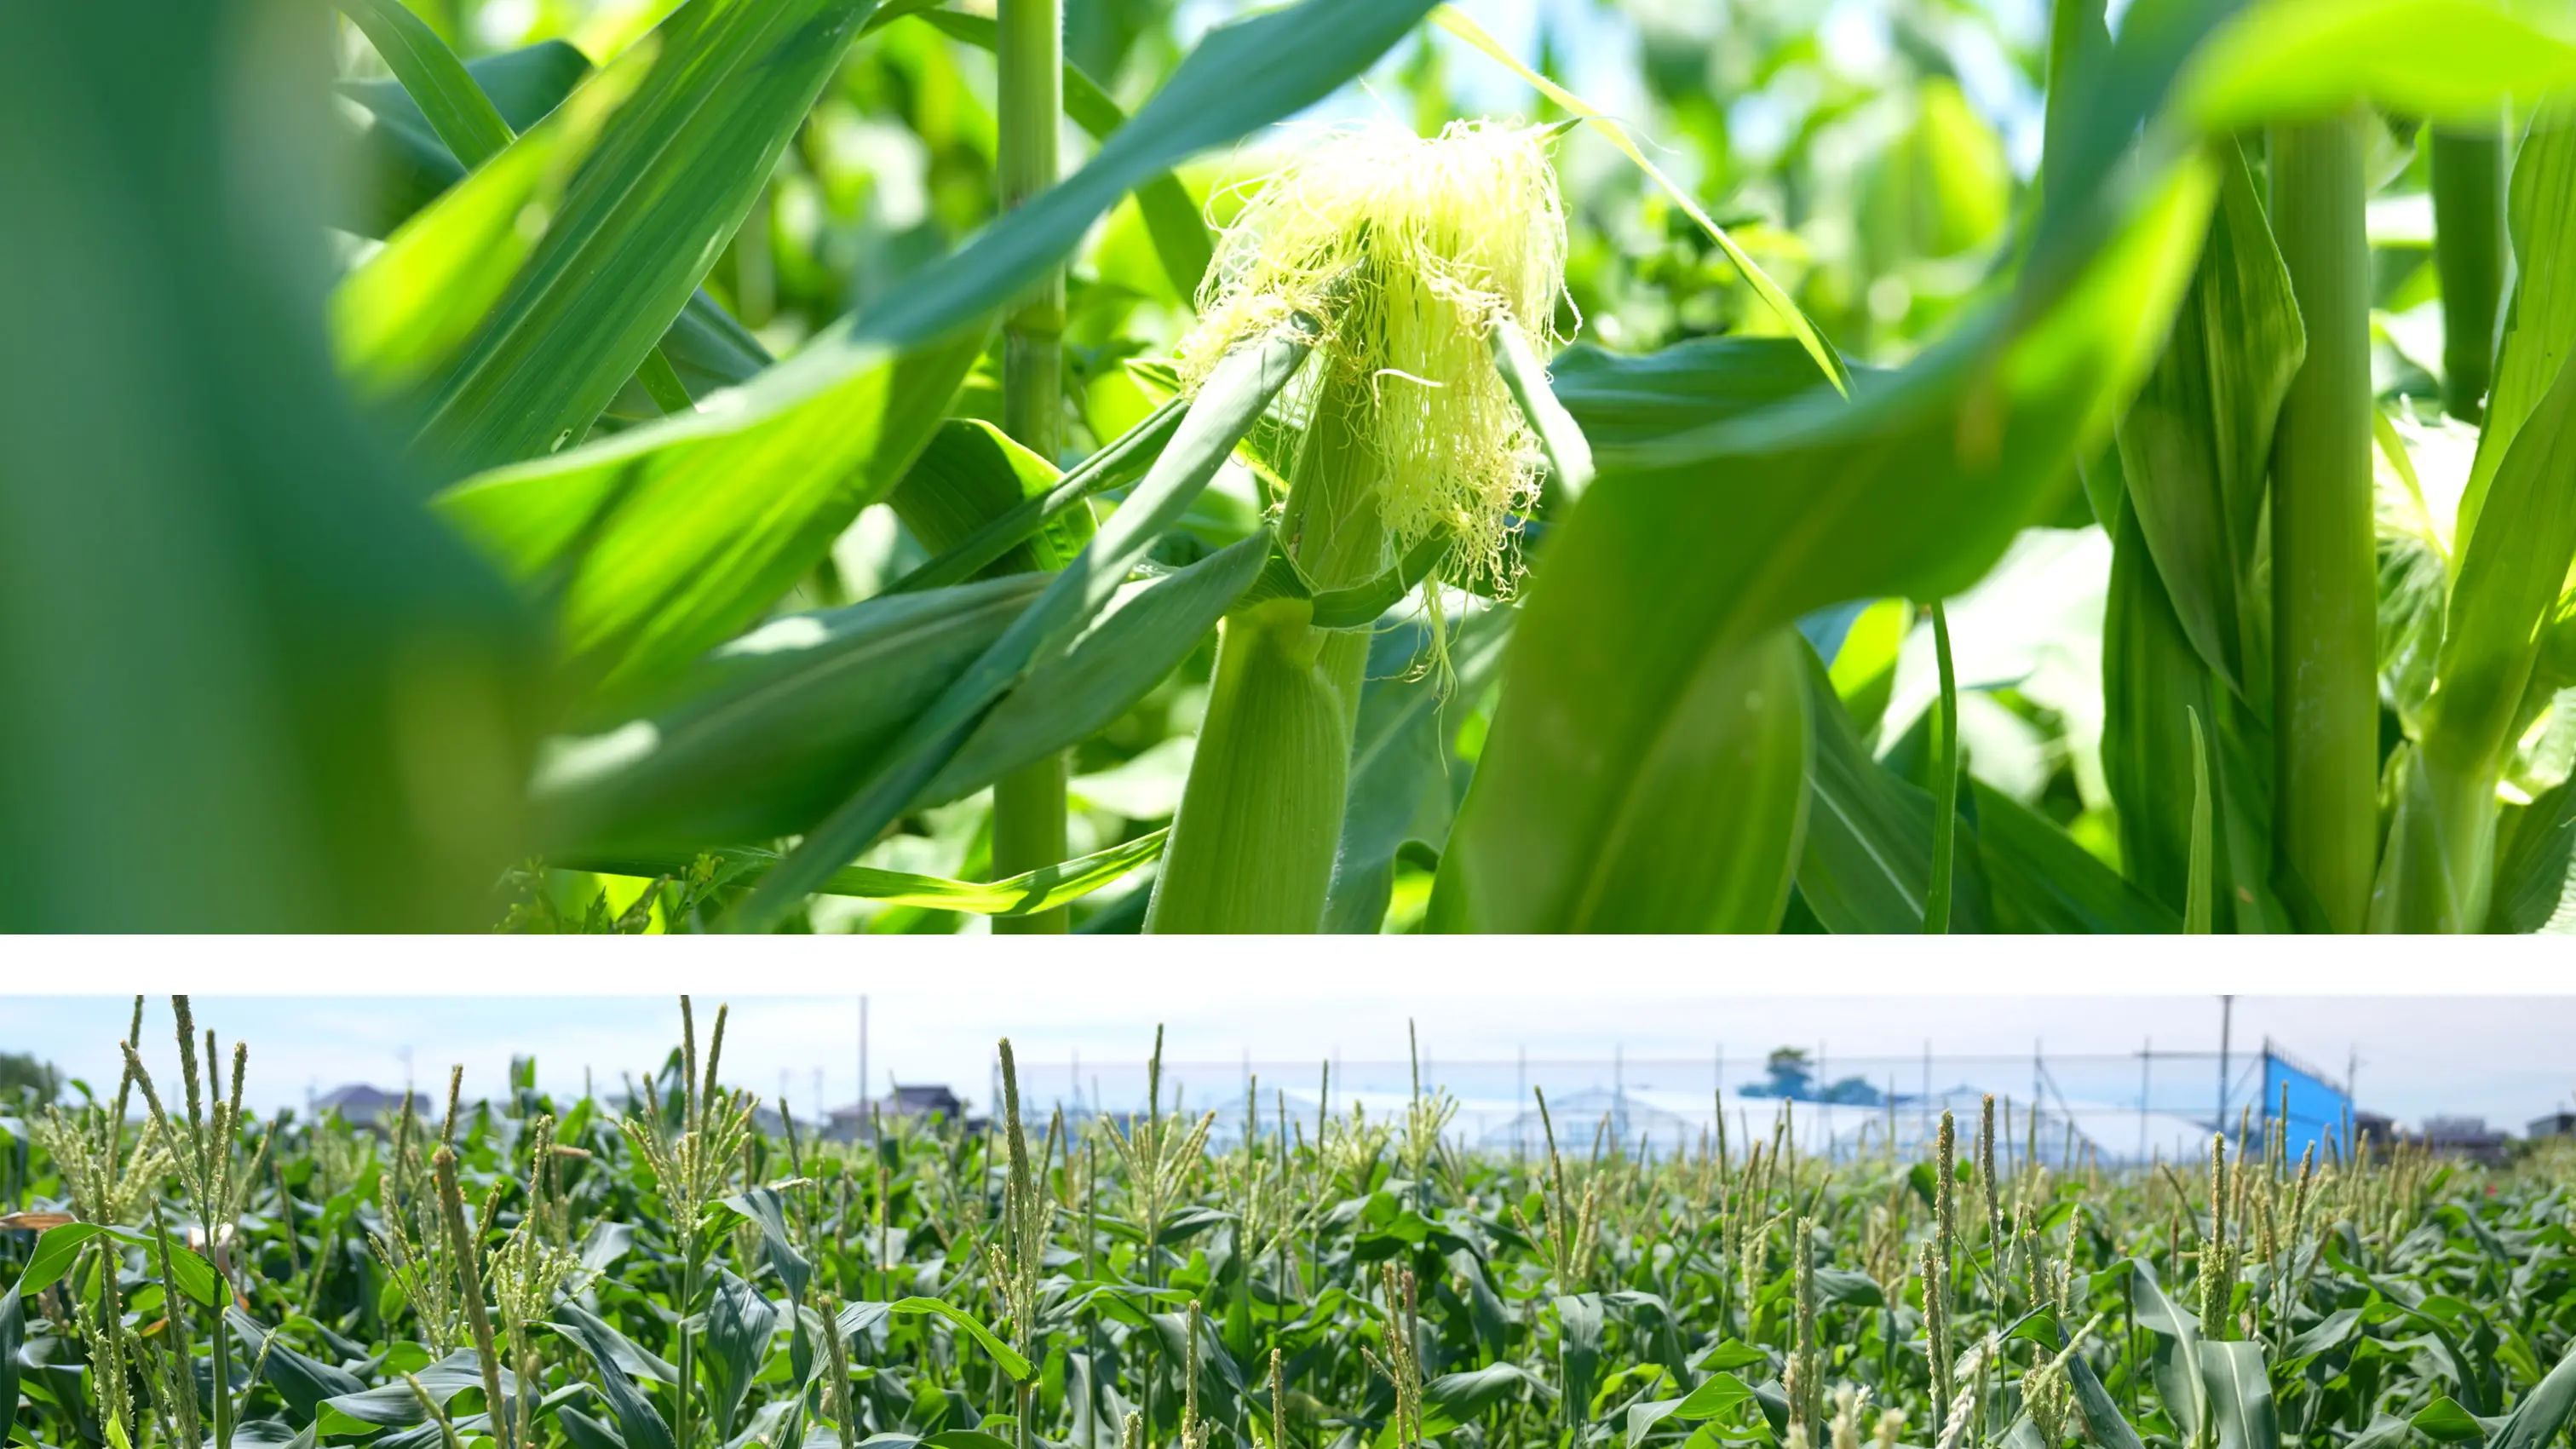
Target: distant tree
column 23, row 1072
column 1792, row 1076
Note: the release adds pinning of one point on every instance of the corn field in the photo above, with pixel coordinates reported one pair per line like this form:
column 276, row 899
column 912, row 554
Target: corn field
column 827, row 465
column 652, row 1271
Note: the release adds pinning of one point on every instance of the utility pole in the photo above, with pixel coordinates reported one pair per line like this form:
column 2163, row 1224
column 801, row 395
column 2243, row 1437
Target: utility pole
column 2226, row 1022
column 1619, row 1090
column 2146, row 1067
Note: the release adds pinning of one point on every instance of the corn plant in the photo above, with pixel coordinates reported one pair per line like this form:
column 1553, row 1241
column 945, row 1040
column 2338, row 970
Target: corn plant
column 2369, row 1289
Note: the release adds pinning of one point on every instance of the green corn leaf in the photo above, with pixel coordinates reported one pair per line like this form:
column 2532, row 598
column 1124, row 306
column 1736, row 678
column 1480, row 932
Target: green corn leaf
column 2197, row 441
column 404, row 166
column 394, row 1405
column 406, row 310
column 2151, row 671
column 639, row 1424
column 13, row 1332
column 740, row 1321
column 2437, row 869
column 1003, row 1357
column 1453, row 1399
column 662, row 541
column 2039, row 879
column 1239, row 389
column 1727, row 762
column 2196, row 907
column 679, row 166
column 455, row 107
column 2540, row 316
column 1122, row 462
column 1699, row 549
column 1145, row 632
column 762, row 736
column 396, row 161
column 2101, row 1416
column 2532, row 858
column 1945, row 783
column 2177, row 1355
column 973, row 473
column 2445, row 1422
column 2543, row 1411
column 2240, row 1395
column 1363, row 604
column 302, row 1381
column 1172, row 220
column 2298, row 60
column 2151, row 676
column 1404, row 771
column 1560, row 438
column 1621, row 401
column 1865, row 864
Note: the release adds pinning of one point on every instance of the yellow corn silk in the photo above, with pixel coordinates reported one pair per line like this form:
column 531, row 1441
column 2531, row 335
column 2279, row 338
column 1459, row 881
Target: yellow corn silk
column 1411, row 251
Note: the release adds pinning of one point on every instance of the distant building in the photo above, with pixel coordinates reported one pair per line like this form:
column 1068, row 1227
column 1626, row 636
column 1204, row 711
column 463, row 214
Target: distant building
column 2556, row 1124
column 917, row 1105
column 2373, row 1133
column 2467, row 1138
column 360, row 1105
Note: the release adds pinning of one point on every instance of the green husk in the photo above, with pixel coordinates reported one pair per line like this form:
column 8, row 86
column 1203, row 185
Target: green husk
column 1419, row 252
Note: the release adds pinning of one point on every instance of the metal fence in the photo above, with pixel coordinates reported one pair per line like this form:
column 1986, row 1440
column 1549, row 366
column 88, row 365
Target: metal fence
column 2120, row 1109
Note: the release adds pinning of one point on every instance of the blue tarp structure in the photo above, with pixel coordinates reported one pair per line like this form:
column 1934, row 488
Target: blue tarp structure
column 2318, row 1109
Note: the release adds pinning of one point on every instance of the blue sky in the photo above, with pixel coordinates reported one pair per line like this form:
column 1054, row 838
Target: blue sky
column 2505, row 1058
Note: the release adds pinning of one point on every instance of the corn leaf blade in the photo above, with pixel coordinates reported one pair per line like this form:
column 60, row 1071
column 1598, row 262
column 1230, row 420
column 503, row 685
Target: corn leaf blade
column 1699, row 546
column 675, row 173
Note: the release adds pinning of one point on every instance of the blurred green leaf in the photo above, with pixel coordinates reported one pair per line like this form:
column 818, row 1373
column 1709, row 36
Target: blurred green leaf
column 2294, row 60
column 2437, row 869
column 2543, row 1411
column 2532, row 858
column 2540, row 313
column 257, row 676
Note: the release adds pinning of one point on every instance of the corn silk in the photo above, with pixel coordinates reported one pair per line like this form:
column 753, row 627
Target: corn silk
column 1410, row 251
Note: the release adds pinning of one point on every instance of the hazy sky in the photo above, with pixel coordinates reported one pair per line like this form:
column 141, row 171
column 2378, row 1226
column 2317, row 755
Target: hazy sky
column 2505, row 1058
